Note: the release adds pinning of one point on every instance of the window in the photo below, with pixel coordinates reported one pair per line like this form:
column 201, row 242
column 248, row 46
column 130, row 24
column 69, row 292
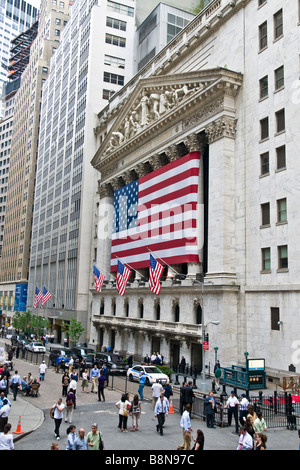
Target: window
column 113, row 78
column 265, row 214
column 263, row 36
column 261, row 2
column 278, row 25
column 266, row 259
column 280, row 121
column 283, row 257
column 281, row 158
column 115, row 40
column 264, row 164
column 107, row 94
column 281, row 210
column 119, row 8
column 114, row 61
column 116, row 24
column 264, row 128
column 279, row 78
column 263, row 87
column 275, row 318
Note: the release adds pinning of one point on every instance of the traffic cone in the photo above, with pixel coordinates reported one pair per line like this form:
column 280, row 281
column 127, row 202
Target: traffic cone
column 171, row 411
column 18, row 431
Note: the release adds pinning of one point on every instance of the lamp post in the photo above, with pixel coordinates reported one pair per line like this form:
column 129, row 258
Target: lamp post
column 216, row 322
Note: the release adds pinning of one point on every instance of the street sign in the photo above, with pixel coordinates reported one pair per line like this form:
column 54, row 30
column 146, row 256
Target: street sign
column 205, row 345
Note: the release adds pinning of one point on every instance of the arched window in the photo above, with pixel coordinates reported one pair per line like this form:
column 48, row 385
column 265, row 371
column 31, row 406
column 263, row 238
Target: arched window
column 199, row 315
column 158, row 311
column 176, row 313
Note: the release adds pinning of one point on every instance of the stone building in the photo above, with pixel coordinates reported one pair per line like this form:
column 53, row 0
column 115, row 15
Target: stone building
column 227, row 88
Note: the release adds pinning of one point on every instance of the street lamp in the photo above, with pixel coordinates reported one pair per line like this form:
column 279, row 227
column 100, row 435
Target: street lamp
column 216, row 322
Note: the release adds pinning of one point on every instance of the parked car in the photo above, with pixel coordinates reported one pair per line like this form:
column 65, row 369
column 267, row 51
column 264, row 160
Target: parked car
column 55, row 352
column 152, row 373
column 35, row 346
column 84, row 353
column 22, row 342
column 115, row 363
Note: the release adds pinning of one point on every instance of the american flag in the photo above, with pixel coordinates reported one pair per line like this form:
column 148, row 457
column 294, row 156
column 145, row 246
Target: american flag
column 99, row 279
column 46, row 296
column 38, row 296
column 158, row 211
column 155, row 272
column 123, row 274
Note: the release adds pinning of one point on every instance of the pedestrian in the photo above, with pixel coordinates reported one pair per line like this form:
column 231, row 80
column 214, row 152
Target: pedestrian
column 101, row 385
column 70, row 402
column 95, row 438
column 186, row 427
column 199, row 441
column 85, row 381
column 232, row 404
column 74, row 375
column 42, row 370
column 218, row 374
column 123, row 406
column 71, row 431
column 243, row 405
column 3, row 385
column 168, row 391
column 54, row 446
column 251, row 413
column 142, row 381
column 182, row 399
column 105, row 372
column 80, row 442
column 136, row 409
column 71, row 364
column 147, row 359
column 245, row 440
column 6, row 375
column 94, row 375
column 182, row 364
column 6, row 439
column 130, row 360
column 189, row 394
column 157, row 389
column 4, row 413
column 58, row 363
column 261, row 440
column 259, row 424
column 210, row 409
column 56, row 412
column 65, row 384
column 249, row 427
column 161, row 410
column 15, row 383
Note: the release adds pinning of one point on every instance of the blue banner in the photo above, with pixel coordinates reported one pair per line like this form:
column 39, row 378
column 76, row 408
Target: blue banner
column 21, row 297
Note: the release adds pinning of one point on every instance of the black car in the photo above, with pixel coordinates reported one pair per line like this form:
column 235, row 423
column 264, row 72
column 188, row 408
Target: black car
column 115, row 363
column 55, row 352
column 84, row 353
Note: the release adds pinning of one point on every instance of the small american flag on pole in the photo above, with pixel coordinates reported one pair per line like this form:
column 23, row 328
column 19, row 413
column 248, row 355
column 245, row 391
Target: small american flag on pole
column 155, row 272
column 123, row 274
column 46, row 296
column 99, row 279
column 38, row 296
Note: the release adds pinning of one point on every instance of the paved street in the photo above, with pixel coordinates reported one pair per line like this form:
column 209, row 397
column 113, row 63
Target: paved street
column 34, row 413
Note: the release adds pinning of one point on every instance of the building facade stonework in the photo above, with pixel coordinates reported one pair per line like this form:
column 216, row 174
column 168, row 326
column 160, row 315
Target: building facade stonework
column 203, row 93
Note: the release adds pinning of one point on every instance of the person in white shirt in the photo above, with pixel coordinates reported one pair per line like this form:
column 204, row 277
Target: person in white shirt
column 57, row 410
column 245, row 440
column 156, row 391
column 6, row 439
column 186, row 427
column 4, row 412
column 243, row 405
column 232, row 404
column 42, row 370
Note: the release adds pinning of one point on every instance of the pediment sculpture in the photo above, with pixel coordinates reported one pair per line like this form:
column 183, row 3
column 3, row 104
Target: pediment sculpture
column 148, row 108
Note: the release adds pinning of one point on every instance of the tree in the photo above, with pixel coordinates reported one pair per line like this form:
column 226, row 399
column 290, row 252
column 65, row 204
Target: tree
column 74, row 330
column 199, row 7
column 28, row 323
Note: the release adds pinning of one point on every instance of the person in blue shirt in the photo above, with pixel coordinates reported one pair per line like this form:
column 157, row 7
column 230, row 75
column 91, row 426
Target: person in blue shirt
column 15, row 383
column 94, row 375
column 81, row 442
column 142, row 381
column 161, row 410
column 58, row 363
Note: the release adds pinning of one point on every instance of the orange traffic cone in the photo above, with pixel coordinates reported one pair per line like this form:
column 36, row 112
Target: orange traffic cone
column 18, row 431
column 171, row 407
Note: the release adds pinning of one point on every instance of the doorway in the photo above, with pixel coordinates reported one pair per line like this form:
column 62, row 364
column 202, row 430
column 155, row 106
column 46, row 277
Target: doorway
column 196, row 356
column 174, row 353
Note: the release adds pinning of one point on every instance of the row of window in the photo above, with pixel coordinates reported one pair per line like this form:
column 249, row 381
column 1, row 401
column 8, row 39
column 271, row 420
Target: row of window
column 277, row 30
column 282, row 256
column 279, row 125
column 278, row 83
column 281, row 213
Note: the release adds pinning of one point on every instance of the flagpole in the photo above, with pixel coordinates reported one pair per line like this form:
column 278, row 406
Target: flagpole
column 59, row 300
column 101, row 269
column 161, row 259
column 130, row 267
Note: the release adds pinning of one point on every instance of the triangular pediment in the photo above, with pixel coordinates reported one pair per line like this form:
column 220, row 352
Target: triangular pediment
column 156, row 100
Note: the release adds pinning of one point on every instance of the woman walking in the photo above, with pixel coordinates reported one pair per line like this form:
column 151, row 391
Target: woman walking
column 136, row 409
column 123, row 406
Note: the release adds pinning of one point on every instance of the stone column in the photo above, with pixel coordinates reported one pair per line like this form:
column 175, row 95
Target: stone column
column 104, row 231
column 221, row 205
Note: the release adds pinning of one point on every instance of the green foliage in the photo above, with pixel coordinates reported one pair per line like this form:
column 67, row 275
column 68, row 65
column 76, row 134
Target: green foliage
column 199, row 7
column 74, row 330
column 28, row 323
column 166, row 370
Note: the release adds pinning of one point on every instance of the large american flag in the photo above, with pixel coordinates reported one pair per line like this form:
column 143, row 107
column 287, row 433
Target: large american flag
column 99, row 279
column 38, row 296
column 158, row 212
column 123, row 274
column 46, row 296
column 155, row 272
